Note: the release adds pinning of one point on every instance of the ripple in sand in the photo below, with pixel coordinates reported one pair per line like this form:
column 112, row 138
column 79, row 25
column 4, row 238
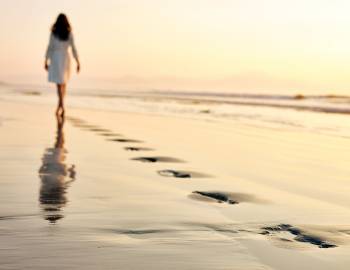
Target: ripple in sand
column 158, row 159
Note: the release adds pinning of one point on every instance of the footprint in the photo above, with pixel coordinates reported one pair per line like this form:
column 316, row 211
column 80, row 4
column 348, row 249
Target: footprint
column 182, row 174
column 85, row 126
column 173, row 173
column 298, row 234
column 216, row 196
column 109, row 134
column 125, row 140
column 132, row 148
column 225, row 197
column 99, row 129
column 158, row 159
column 74, row 119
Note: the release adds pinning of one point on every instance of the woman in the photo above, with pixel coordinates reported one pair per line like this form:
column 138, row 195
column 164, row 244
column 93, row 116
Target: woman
column 57, row 60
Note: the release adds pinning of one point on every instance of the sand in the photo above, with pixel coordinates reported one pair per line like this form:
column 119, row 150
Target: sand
column 124, row 190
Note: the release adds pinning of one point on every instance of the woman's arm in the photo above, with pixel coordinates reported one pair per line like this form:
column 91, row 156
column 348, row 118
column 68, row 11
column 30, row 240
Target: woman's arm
column 48, row 52
column 74, row 51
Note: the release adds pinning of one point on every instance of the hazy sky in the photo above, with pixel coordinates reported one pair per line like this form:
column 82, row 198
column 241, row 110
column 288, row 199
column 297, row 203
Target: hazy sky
column 256, row 45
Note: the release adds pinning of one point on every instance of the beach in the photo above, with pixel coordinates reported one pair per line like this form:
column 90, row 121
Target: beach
column 152, row 185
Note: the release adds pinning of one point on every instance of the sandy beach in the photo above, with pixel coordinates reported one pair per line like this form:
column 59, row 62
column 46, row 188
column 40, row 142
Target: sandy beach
column 174, row 135
column 131, row 190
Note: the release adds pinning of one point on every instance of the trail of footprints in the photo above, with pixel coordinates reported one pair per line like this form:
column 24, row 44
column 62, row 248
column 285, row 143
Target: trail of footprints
column 296, row 234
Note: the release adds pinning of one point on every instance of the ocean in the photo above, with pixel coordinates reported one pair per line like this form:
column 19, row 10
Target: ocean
column 323, row 114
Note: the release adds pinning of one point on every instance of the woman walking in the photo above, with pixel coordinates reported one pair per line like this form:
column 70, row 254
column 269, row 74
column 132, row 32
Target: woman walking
column 57, row 60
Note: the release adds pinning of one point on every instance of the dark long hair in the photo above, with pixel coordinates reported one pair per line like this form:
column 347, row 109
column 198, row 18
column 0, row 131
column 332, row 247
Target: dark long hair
column 61, row 28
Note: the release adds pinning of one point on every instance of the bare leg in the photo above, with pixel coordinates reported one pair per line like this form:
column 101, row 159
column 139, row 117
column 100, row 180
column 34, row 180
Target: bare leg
column 63, row 94
column 61, row 91
column 58, row 110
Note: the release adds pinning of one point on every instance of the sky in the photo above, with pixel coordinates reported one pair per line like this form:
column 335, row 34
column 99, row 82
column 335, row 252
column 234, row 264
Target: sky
column 232, row 45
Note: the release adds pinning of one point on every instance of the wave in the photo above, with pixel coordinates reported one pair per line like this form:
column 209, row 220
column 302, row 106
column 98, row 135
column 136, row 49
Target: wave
column 254, row 95
column 336, row 104
column 313, row 108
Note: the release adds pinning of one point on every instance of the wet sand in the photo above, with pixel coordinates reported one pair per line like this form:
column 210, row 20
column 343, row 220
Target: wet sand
column 114, row 190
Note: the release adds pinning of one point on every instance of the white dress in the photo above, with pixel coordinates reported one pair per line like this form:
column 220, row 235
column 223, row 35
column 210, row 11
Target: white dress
column 59, row 56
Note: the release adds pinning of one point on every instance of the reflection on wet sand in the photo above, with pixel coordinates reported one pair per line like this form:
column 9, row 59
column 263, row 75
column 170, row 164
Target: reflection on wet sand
column 55, row 176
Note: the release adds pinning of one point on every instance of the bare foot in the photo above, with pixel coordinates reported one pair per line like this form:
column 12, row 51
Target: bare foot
column 58, row 111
